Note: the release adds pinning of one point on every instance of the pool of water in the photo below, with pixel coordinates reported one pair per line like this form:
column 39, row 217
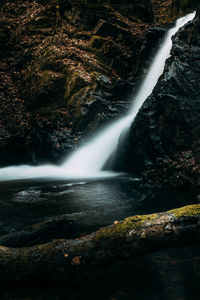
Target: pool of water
column 89, row 204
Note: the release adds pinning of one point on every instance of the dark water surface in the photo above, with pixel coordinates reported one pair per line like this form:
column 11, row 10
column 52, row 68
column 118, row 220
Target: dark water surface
column 90, row 204
column 167, row 274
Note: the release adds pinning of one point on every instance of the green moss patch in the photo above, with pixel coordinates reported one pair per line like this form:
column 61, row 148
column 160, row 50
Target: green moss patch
column 121, row 229
column 190, row 211
column 97, row 41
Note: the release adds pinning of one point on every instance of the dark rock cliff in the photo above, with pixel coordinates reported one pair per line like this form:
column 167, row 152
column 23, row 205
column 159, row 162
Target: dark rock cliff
column 60, row 62
column 164, row 141
column 67, row 66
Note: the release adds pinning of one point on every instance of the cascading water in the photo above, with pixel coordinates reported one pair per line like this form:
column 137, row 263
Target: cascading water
column 88, row 160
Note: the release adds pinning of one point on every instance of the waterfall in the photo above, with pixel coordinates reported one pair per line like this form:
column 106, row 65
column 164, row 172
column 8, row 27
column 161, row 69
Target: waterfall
column 92, row 157
column 88, row 161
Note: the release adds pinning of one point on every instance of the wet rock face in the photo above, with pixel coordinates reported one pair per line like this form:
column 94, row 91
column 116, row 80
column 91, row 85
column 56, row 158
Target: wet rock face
column 164, row 139
column 71, row 66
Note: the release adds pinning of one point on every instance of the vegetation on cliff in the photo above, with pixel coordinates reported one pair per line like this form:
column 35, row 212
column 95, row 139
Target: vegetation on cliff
column 63, row 61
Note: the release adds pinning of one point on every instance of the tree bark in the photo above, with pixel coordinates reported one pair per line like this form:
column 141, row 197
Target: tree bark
column 60, row 259
column 38, row 233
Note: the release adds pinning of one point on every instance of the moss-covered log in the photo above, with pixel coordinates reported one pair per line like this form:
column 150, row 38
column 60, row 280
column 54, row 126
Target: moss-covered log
column 37, row 233
column 60, row 259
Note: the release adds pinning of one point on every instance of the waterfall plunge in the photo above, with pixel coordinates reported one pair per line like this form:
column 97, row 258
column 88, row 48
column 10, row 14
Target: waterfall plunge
column 92, row 157
column 88, row 161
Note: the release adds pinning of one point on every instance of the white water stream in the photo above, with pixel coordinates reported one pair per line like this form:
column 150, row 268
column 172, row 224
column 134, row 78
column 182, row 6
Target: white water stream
column 88, row 161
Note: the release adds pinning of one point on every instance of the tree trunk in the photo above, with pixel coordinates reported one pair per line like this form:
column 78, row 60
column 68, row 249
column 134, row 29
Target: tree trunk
column 60, row 259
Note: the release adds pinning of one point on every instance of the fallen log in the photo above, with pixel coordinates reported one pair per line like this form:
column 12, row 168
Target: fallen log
column 136, row 235
column 38, row 233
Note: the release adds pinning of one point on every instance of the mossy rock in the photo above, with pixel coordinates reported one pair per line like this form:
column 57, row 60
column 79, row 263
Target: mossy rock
column 97, row 41
column 78, row 92
column 48, row 89
column 108, row 52
column 74, row 83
